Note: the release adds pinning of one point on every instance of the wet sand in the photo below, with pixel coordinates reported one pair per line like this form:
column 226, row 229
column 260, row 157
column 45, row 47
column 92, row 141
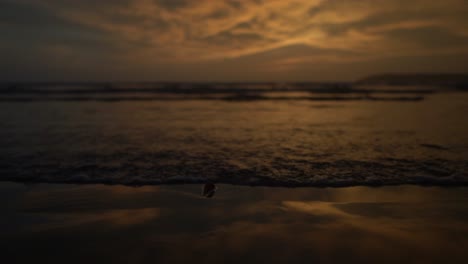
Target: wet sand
column 176, row 224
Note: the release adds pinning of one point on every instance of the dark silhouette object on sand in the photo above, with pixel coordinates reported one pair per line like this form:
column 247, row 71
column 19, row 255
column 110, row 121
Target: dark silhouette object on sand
column 209, row 190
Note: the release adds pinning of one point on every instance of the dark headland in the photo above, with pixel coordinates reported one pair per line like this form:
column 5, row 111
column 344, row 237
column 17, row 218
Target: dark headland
column 456, row 81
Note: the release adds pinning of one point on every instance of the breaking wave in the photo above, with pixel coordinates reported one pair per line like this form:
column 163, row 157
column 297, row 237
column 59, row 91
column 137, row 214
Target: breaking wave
column 176, row 167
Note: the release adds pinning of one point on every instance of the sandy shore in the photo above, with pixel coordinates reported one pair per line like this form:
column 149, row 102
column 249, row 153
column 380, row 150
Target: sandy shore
column 175, row 224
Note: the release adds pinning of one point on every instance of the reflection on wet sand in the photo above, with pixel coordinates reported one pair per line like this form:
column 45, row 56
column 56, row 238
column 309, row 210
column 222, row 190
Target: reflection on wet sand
column 172, row 224
column 110, row 218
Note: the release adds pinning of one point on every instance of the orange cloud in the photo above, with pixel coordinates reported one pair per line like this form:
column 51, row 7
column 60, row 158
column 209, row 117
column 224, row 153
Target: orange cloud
column 152, row 33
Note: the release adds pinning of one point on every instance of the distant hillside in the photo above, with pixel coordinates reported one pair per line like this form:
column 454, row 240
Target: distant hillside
column 455, row 81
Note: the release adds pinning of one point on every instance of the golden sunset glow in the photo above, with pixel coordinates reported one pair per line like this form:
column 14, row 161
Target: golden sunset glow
column 230, row 40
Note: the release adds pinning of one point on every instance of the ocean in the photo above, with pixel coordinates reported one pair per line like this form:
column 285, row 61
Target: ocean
column 260, row 134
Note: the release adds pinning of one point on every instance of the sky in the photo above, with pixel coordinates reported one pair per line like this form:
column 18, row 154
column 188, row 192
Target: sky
column 229, row 40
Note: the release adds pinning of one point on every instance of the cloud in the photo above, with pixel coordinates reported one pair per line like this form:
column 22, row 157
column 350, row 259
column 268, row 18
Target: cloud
column 148, row 33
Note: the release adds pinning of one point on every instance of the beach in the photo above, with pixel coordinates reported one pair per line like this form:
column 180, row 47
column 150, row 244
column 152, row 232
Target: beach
column 176, row 224
column 299, row 177
column 233, row 131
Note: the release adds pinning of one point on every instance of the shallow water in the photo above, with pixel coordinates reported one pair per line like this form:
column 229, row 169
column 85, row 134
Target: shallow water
column 175, row 224
column 262, row 142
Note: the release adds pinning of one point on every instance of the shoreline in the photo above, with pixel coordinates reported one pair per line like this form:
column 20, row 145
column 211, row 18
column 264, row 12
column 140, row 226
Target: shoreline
column 260, row 185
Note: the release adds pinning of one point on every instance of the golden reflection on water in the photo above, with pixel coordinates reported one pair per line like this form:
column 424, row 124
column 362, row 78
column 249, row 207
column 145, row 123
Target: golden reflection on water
column 270, row 142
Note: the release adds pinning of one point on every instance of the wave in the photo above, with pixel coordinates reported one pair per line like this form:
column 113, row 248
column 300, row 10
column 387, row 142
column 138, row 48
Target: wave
column 177, row 168
column 233, row 92
column 230, row 98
